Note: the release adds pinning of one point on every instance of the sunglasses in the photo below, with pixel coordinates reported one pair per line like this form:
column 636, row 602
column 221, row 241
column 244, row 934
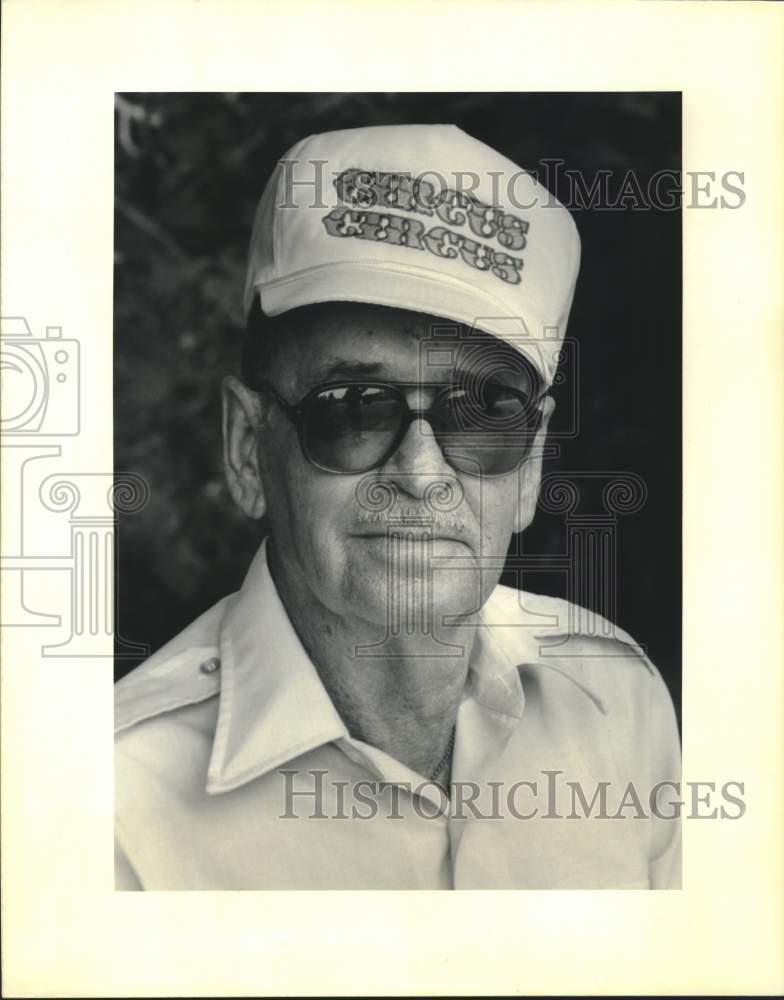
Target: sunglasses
column 482, row 428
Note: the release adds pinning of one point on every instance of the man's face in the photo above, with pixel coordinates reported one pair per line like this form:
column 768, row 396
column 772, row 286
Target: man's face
column 354, row 540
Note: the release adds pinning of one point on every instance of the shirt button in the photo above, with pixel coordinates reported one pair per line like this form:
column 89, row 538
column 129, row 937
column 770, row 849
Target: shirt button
column 210, row 666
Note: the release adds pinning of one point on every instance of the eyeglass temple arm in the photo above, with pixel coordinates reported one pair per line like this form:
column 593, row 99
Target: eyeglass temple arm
column 288, row 408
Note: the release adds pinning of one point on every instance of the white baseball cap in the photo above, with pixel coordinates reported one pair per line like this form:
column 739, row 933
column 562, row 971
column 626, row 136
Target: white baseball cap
column 420, row 217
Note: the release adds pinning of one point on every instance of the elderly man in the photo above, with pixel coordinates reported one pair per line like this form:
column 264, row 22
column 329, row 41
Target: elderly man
column 372, row 709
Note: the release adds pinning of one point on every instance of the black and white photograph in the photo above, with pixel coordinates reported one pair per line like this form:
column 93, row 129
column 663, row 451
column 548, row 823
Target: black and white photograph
column 390, row 428
column 400, row 374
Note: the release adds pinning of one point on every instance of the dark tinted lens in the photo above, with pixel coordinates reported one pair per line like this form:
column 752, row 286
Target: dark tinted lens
column 350, row 428
column 488, row 406
column 487, row 428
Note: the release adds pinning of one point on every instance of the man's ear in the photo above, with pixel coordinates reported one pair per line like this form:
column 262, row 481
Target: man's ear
column 530, row 473
column 241, row 425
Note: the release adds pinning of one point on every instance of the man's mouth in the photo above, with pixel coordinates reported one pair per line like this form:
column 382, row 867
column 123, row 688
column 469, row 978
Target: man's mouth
column 412, row 533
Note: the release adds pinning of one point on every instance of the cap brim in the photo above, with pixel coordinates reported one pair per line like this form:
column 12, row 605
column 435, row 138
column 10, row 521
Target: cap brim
column 421, row 290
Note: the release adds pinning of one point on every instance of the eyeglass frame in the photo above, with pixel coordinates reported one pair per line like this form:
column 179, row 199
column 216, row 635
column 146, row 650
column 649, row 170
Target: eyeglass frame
column 296, row 413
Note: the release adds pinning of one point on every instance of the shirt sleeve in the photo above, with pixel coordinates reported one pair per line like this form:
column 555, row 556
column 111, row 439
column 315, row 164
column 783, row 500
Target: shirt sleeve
column 125, row 878
column 664, row 868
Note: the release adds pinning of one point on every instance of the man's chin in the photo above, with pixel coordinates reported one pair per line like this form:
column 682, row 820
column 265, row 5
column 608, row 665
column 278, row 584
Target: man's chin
column 412, row 598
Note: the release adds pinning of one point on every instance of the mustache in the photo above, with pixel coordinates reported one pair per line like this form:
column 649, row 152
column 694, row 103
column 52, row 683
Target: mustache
column 412, row 516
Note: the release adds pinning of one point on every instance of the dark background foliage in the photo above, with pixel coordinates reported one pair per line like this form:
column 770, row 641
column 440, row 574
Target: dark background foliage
column 189, row 170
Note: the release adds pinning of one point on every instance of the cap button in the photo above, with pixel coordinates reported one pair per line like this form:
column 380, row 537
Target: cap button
column 210, row 666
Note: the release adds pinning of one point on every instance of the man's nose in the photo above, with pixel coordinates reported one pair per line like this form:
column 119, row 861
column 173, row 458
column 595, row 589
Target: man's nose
column 418, row 462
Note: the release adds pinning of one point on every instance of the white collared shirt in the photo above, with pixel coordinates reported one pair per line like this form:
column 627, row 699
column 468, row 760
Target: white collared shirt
column 235, row 771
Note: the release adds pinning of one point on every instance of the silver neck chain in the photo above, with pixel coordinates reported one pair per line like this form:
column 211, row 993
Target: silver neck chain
column 447, row 755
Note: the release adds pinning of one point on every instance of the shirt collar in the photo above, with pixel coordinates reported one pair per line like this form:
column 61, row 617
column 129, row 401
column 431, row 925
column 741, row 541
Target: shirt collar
column 273, row 705
column 493, row 673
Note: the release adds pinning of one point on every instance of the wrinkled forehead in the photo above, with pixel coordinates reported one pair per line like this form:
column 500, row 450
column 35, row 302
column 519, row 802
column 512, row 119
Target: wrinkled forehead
column 357, row 340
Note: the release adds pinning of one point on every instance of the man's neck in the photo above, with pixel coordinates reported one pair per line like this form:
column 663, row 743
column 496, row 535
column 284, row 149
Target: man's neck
column 402, row 697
